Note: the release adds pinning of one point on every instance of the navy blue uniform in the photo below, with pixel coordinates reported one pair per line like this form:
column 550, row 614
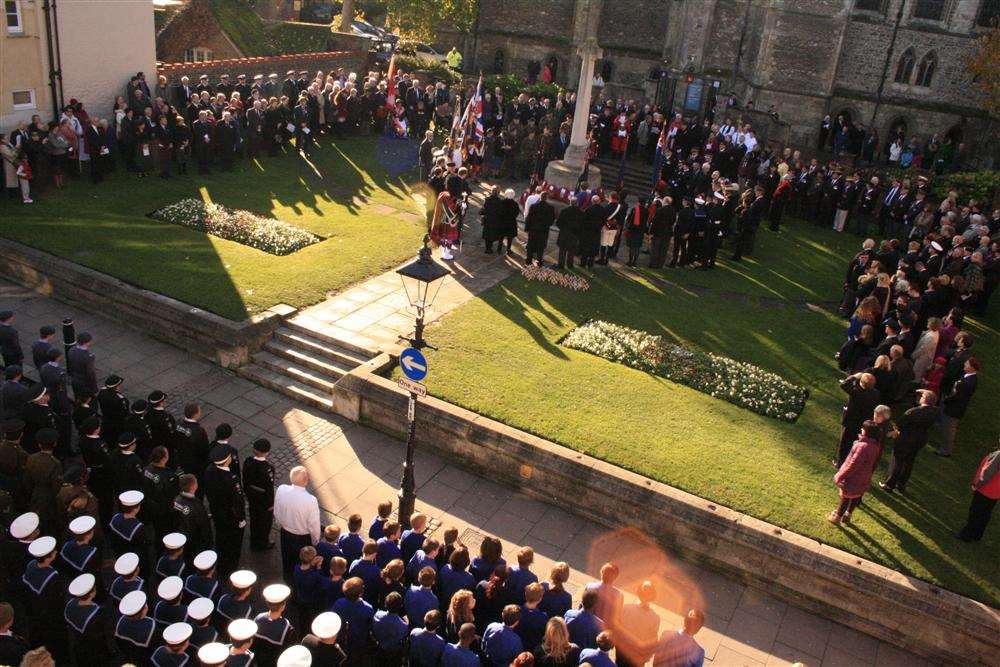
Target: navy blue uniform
column 135, row 639
column 89, row 633
column 273, row 635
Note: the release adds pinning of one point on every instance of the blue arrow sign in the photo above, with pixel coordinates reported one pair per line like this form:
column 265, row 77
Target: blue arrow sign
column 413, row 363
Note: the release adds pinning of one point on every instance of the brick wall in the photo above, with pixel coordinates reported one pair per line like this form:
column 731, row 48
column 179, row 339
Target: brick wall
column 353, row 61
column 640, row 24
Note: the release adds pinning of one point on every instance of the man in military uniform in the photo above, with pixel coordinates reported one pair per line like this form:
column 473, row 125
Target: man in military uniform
column 46, row 591
column 127, row 577
column 274, row 631
column 90, row 625
column 135, row 631
column 236, row 604
column 258, row 484
column 225, row 499
column 40, row 348
column 243, row 88
column 125, row 465
column 174, row 652
column 203, row 582
column 191, row 517
column 81, row 365
column 114, row 408
column 43, row 477
column 223, row 432
column 78, row 554
column 169, row 609
column 200, row 616
column 13, row 394
column 98, row 461
column 75, row 499
column 136, row 424
column 126, row 533
column 84, row 407
column 171, row 563
column 192, row 442
column 14, row 557
column 13, row 458
column 159, row 484
column 10, row 340
column 54, row 379
column 162, row 425
column 37, row 416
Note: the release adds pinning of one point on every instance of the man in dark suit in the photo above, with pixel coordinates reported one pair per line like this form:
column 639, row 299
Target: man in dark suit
column 243, row 88
column 863, row 397
column 913, row 427
column 114, row 408
column 956, row 364
column 303, row 135
column 225, row 87
column 270, row 89
column 954, row 405
column 201, row 136
column 888, row 203
column 13, row 394
column 203, row 85
column 289, row 87
column 80, row 363
column 540, row 218
column 183, row 92
column 10, row 342
column 40, row 348
column 224, row 492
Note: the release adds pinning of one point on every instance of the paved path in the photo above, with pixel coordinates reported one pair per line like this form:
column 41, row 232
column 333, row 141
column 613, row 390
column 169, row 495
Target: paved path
column 353, row 468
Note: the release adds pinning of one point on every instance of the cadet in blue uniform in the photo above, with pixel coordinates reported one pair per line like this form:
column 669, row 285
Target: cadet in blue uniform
column 136, row 424
column 135, row 632
column 90, row 634
column 241, row 635
column 200, row 617
column 388, row 545
column 500, row 642
column 203, row 583
column 322, row 643
column 368, row 572
column 46, row 598
column 127, row 579
column 376, row 530
column 173, row 653
column 162, row 424
column 10, row 342
column 520, row 575
column 191, row 517
column 169, row 609
column 426, row 645
column 160, row 486
column 583, row 624
column 213, row 654
column 224, row 493
column 328, row 546
column 171, row 563
column 274, row 631
column 124, row 465
column 15, row 558
column 390, row 631
column 40, row 348
column 357, row 615
column 460, row 654
column 126, row 533
column 413, row 539
column 97, row 458
column 426, row 556
column 420, row 598
column 78, row 555
column 236, row 604
column 223, row 432
column 352, row 543
column 531, row 627
column 258, row 485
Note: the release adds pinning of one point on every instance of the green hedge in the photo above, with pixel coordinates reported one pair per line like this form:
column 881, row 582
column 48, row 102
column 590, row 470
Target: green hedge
column 438, row 71
column 512, row 86
column 983, row 186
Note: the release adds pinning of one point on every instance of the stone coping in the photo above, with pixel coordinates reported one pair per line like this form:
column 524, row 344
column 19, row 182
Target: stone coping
column 851, row 590
column 224, row 341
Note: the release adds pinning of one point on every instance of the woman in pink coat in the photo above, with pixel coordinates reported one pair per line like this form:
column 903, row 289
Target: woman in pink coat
column 855, row 474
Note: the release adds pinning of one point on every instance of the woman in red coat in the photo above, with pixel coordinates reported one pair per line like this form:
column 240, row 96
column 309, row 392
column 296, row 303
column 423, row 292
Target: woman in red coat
column 855, row 474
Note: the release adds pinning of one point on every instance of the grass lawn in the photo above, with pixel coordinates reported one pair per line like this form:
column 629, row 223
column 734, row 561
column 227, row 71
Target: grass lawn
column 354, row 194
column 499, row 355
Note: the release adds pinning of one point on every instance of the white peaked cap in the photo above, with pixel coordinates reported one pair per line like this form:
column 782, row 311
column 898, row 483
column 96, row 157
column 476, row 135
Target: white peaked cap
column 24, row 525
column 200, row 609
column 174, row 540
column 82, row 525
column 326, row 625
column 205, row 560
column 126, row 564
column 130, row 498
column 82, row 585
column 176, row 633
column 242, row 579
column 242, row 629
column 170, row 588
column 42, row 547
column 213, row 653
column 276, row 593
column 132, row 603
column 295, row 656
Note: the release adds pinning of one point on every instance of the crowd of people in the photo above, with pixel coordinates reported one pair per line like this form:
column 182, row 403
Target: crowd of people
column 123, row 542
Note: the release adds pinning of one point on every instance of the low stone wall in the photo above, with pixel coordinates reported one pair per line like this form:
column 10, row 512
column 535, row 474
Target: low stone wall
column 205, row 334
column 907, row 612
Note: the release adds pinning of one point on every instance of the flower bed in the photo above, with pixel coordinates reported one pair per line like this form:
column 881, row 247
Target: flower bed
column 267, row 234
column 553, row 277
column 738, row 382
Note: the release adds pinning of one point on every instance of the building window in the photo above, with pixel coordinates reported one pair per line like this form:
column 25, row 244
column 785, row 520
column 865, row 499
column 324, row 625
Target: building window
column 989, row 13
column 197, row 54
column 904, row 70
column 12, row 11
column 925, row 72
column 869, row 5
column 24, row 99
column 931, row 10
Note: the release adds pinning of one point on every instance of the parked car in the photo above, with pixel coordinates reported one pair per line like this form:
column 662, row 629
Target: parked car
column 426, row 51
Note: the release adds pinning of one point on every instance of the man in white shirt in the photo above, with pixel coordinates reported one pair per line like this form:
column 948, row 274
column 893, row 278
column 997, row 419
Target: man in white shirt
column 297, row 513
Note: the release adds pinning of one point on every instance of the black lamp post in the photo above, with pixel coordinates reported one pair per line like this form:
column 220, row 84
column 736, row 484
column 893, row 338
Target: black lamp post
column 69, row 334
column 422, row 282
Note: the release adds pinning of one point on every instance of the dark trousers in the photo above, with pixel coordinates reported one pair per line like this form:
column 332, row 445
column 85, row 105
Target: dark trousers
column 847, row 505
column 261, row 518
column 566, row 257
column 290, row 546
column 680, row 252
column 536, row 247
column 901, row 467
column 228, row 545
column 657, row 252
column 777, row 208
column 848, row 434
column 633, row 254
column 979, row 516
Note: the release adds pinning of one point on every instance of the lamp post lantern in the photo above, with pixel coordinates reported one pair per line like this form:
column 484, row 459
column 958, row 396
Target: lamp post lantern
column 422, row 282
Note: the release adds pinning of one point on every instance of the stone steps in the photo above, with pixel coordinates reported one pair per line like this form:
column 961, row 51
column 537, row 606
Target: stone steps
column 637, row 176
column 305, row 364
column 347, row 340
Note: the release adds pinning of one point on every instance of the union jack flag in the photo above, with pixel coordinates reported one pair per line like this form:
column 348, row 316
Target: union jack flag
column 471, row 124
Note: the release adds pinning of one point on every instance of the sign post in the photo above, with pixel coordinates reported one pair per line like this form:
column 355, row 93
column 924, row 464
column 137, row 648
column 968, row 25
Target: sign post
column 414, row 367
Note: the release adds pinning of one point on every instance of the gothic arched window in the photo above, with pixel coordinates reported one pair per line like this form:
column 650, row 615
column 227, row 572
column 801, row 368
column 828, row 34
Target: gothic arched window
column 925, row 71
column 904, row 69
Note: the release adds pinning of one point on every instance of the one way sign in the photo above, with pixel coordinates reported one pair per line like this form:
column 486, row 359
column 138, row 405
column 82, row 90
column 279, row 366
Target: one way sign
column 413, row 363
